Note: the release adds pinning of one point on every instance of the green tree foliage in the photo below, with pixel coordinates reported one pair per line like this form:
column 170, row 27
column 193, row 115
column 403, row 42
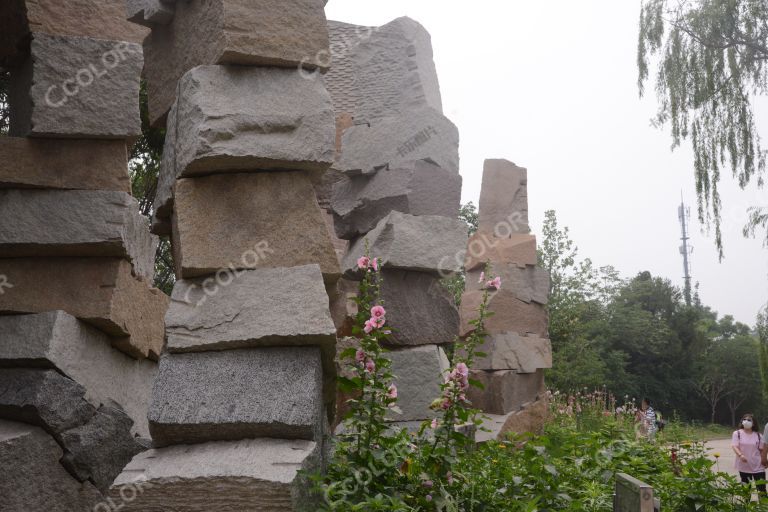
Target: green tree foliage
column 456, row 284
column 712, row 58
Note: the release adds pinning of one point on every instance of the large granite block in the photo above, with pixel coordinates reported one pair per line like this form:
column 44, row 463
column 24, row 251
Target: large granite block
column 426, row 243
column 418, row 371
column 510, row 351
column 503, row 205
column 20, row 20
column 251, row 475
column 505, row 390
column 415, row 187
column 58, row 340
column 422, row 134
column 382, row 71
column 77, row 87
column 236, row 394
column 150, row 12
column 526, row 282
column 419, row 308
column 284, row 33
column 510, row 313
column 32, row 478
column 257, row 220
column 101, row 291
column 76, row 223
column 64, row 164
column 486, row 247
column 269, row 306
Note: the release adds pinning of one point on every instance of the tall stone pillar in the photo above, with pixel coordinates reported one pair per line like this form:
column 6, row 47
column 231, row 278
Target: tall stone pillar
column 517, row 347
column 81, row 326
column 246, row 384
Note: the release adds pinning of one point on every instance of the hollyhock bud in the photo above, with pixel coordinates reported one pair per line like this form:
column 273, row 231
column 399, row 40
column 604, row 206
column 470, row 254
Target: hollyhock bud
column 449, row 478
column 446, row 403
column 378, row 311
column 482, row 277
column 392, row 393
column 429, row 497
column 370, row 366
column 434, row 424
column 362, row 262
column 375, row 264
column 359, row 356
column 428, row 483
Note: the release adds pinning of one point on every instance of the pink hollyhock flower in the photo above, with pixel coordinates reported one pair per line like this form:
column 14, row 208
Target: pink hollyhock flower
column 378, row 322
column 369, row 326
column 482, row 277
column 446, row 403
column 428, row 483
column 375, row 264
column 433, row 424
column 370, row 366
column 377, row 311
column 359, row 356
column 392, row 393
column 462, row 369
column 494, row 283
column 363, row 262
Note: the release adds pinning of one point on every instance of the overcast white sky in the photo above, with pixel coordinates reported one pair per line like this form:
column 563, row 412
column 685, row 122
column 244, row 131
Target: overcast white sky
column 551, row 86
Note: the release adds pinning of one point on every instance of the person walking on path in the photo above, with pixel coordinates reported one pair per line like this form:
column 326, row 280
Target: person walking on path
column 747, row 444
column 647, row 419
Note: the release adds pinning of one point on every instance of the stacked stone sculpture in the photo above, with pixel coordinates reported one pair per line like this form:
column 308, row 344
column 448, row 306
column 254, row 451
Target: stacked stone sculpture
column 517, row 348
column 81, row 326
column 245, row 388
column 394, row 186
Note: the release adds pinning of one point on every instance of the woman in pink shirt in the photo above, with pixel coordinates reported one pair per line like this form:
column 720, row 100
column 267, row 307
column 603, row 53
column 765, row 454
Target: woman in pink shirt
column 747, row 444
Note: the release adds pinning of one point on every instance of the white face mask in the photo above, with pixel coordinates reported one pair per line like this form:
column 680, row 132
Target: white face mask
column 747, row 424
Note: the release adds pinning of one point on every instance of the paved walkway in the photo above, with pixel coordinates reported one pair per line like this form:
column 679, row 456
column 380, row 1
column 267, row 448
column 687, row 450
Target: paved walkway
column 726, row 459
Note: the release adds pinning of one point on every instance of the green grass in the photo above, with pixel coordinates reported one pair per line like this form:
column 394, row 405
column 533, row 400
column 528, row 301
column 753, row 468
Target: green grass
column 696, row 432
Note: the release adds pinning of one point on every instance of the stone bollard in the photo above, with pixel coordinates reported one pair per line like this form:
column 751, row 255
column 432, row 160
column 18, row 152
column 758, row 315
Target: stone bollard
column 632, row 495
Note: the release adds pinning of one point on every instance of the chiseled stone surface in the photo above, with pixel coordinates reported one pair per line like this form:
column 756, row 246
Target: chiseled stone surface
column 44, row 398
column 381, row 71
column 485, row 247
column 231, row 118
column 235, row 394
column 32, row 478
column 269, row 306
column 250, row 475
column 510, row 313
column 280, row 33
column 418, row 372
column 101, row 291
column 162, row 208
column 99, row 19
column 421, row 310
column 64, row 164
column 105, row 103
column 531, row 418
column 503, row 198
column 426, row 243
column 510, row 351
column 526, row 282
column 264, row 219
column 505, row 390
column 416, row 187
column 150, row 12
column 76, row 223
column 99, row 449
column 58, row 340
column 424, row 133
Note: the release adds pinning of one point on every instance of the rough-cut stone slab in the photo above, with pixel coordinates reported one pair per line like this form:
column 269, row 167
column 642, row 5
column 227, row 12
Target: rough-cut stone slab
column 486, row 247
column 531, row 418
column 424, row 133
column 150, row 12
column 44, row 398
column 33, row 480
column 415, row 187
column 510, row 313
column 503, row 205
column 510, row 351
column 257, row 220
column 101, row 291
column 100, row 19
column 64, row 164
column 98, row 450
column 419, row 308
column 235, row 394
column 76, row 223
column 525, row 282
column 382, row 71
column 166, row 181
column 251, row 475
column 505, row 390
column 77, row 87
column 270, row 306
column 280, row 33
column 343, row 306
column 418, row 371
column 426, row 243
column 233, row 118
column 58, row 340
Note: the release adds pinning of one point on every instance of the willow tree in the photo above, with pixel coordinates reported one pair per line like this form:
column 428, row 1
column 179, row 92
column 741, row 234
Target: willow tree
column 711, row 60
